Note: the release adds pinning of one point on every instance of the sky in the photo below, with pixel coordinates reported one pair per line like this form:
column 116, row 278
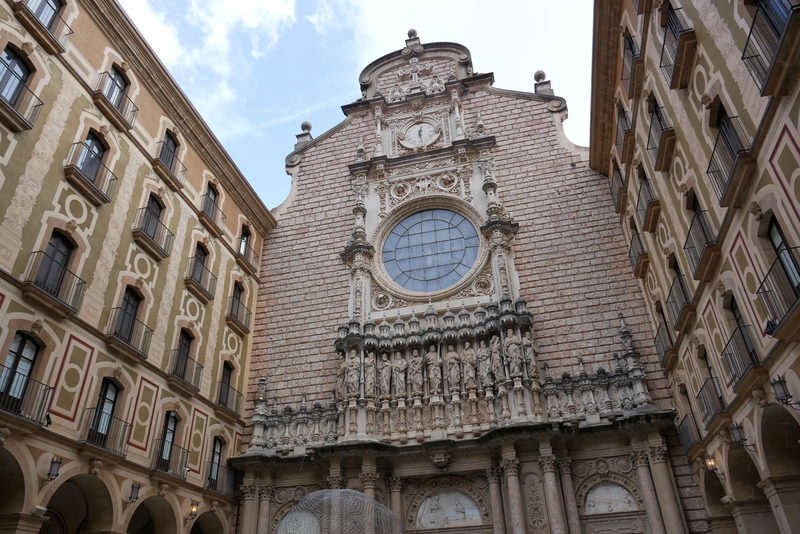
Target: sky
column 256, row 69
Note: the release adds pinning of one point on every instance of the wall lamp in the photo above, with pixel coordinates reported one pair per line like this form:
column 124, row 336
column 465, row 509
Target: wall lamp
column 739, row 437
column 193, row 511
column 782, row 393
column 134, row 494
column 711, row 466
column 55, row 467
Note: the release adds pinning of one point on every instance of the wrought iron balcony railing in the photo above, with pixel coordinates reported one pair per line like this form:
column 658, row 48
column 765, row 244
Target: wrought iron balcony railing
column 659, row 126
column 246, row 252
column 49, row 19
column 22, row 105
column 97, row 180
column 646, row 196
column 169, row 458
column 709, row 401
column 731, row 141
column 688, row 432
column 103, row 430
column 54, row 279
column 197, row 272
column 764, row 40
column 185, row 368
column 128, row 329
column 239, row 312
column 623, row 127
column 630, row 51
column 117, row 98
column 663, row 341
column 23, row 396
column 675, row 25
column 170, row 161
column 779, row 292
column 635, row 250
column 698, row 238
column 212, row 212
column 219, row 478
column 229, row 398
column 149, row 226
column 679, row 298
column 617, row 185
column 739, row 356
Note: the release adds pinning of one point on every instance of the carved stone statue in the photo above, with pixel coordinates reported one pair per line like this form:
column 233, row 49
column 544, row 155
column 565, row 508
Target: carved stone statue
column 341, row 379
column 399, row 367
column 353, row 374
column 468, row 359
column 433, row 515
column 434, row 370
column 415, row 372
column 262, row 387
column 396, row 94
column 484, row 364
column 453, row 368
column 369, row 374
column 386, row 375
column 514, row 353
column 497, row 360
column 529, row 354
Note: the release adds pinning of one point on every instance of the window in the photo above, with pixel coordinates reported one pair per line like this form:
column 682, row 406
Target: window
column 169, row 150
column 225, row 392
column 183, row 353
column 45, row 10
column 101, row 425
column 91, row 159
column 244, row 241
column 216, row 460
column 16, row 371
column 114, row 87
column 151, row 222
column 199, row 269
column 53, row 266
column 236, row 300
column 126, row 320
column 784, row 254
column 167, row 441
column 15, row 73
column 210, row 204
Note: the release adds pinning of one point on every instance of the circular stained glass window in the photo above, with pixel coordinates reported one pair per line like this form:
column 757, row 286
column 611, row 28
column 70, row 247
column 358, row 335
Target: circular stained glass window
column 430, row 250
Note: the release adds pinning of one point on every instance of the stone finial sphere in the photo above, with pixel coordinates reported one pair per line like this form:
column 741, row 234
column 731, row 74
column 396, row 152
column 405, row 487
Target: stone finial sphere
column 306, row 126
column 539, row 75
column 412, row 33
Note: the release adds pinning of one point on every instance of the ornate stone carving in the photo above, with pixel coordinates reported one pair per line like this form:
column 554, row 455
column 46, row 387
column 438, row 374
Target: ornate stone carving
column 547, row 463
column 607, row 497
column 452, row 487
column 755, row 211
column 336, row 482
column 565, row 466
column 37, row 326
column 658, row 454
column 265, row 493
column 440, row 458
column 368, row 479
column 640, row 459
column 510, row 466
column 535, row 505
column 705, row 100
column 494, row 475
column 395, row 483
column 162, row 489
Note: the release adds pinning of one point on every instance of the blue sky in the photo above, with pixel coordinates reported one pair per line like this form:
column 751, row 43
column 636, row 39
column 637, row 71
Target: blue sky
column 256, row 69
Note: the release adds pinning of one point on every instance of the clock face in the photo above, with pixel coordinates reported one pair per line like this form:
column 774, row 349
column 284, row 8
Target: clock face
column 420, row 134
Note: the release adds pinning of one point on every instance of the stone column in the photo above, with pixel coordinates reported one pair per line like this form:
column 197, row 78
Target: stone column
column 568, row 491
column 368, row 479
column 511, row 469
column 783, row 492
column 264, row 503
column 651, row 506
column 671, row 510
column 555, row 511
column 493, row 475
column 335, row 482
column 395, row 489
column 249, row 520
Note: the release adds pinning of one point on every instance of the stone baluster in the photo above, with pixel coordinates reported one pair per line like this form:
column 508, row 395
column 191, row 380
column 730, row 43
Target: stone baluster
column 641, row 462
column 493, row 475
column 396, row 495
column 567, row 489
column 665, row 489
column 511, row 469
column 265, row 494
column 555, row 510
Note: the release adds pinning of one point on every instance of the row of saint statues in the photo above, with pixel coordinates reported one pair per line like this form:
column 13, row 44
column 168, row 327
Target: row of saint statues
column 441, row 368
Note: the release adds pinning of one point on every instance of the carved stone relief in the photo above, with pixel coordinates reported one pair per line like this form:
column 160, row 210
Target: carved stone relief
column 448, row 508
column 535, row 505
column 607, row 497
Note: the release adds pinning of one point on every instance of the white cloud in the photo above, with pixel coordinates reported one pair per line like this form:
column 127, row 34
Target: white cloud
column 160, row 34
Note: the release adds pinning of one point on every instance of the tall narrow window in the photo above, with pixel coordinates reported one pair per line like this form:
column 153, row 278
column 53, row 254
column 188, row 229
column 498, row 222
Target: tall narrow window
column 785, row 256
column 216, row 460
column 16, row 371
column 45, row 10
column 225, row 384
column 236, row 300
column 13, row 75
column 91, row 158
column 102, row 422
column 169, row 149
column 183, row 353
column 126, row 320
column 167, row 441
column 114, row 89
column 199, row 270
column 53, row 266
column 152, row 217
column 210, row 206
column 741, row 325
column 244, row 241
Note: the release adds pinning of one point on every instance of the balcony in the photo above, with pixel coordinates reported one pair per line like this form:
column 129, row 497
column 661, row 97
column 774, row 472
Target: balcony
column 128, row 336
column 211, row 216
column 701, row 249
column 638, row 256
column 104, row 431
column 630, row 61
column 648, row 208
column 52, row 286
column 219, row 479
column 19, row 107
column 169, row 458
column 732, row 166
column 45, row 24
column 151, row 234
column 229, row 402
column 709, row 401
column 246, row 257
column 665, row 346
column 741, row 362
column 679, row 303
column 87, row 173
column 771, row 51
column 199, row 280
column 114, row 103
column 779, row 294
column 619, row 194
column 238, row 317
column 23, row 396
column 688, row 433
column 660, row 140
column 185, row 373
column 678, row 51
column 169, row 168
column 624, row 140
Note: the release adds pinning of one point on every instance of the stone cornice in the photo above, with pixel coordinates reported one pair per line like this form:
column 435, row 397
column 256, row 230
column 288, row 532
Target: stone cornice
column 162, row 87
column 604, row 80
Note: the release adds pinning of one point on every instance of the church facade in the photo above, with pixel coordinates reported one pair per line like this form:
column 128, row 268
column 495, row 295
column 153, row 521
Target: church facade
column 462, row 339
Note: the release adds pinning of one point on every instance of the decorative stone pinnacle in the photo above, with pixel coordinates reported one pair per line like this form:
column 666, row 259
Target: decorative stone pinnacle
column 539, row 76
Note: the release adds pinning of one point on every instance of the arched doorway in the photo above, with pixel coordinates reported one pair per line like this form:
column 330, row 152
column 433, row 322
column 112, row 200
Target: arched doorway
column 207, row 523
column 80, row 504
column 719, row 517
column 153, row 516
column 779, row 438
column 750, row 506
column 12, row 490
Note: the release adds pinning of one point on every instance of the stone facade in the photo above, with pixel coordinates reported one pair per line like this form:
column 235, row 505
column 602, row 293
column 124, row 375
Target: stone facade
column 124, row 351
column 522, row 394
column 695, row 118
